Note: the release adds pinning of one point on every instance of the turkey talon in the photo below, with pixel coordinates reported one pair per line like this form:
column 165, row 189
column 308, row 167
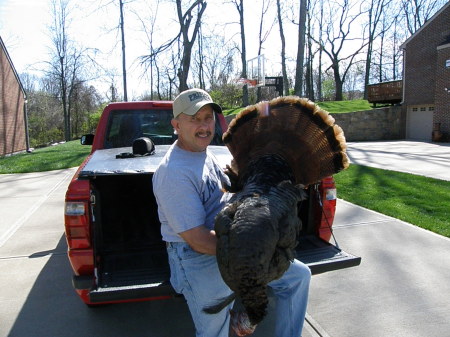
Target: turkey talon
column 241, row 325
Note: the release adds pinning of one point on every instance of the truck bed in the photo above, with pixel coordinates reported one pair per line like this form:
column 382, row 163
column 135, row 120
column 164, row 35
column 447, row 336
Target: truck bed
column 130, row 257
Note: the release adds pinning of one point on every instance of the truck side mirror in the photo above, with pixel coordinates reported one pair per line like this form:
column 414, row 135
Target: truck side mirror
column 87, row 139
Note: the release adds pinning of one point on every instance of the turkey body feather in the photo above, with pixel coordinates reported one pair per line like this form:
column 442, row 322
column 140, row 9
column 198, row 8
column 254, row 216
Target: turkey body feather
column 263, row 218
column 278, row 147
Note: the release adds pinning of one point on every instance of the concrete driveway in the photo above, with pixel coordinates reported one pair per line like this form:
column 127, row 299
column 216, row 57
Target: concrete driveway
column 400, row 289
column 421, row 158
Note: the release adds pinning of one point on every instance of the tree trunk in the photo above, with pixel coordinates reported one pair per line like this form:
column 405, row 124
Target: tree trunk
column 298, row 87
column 240, row 9
column 124, row 68
column 185, row 22
column 283, row 51
column 262, row 38
column 338, row 82
column 319, row 75
column 367, row 72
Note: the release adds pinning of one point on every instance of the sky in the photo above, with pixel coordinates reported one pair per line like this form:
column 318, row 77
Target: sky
column 24, row 30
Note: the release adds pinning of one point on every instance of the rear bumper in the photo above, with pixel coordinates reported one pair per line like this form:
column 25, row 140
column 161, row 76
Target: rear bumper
column 97, row 295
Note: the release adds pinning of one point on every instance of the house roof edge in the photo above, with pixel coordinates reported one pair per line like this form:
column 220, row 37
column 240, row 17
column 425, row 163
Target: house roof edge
column 3, row 46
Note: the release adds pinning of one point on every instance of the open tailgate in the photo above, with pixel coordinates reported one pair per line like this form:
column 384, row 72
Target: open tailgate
column 322, row 256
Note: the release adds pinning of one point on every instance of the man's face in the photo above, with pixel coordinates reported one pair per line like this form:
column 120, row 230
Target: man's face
column 197, row 131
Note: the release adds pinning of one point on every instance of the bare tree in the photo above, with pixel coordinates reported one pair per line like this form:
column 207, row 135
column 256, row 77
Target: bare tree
column 171, row 75
column 386, row 54
column 201, row 61
column 263, row 35
column 124, row 67
column 417, row 12
column 298, row 87
column 319, row 80
column 67, row 63
column 239, row 4
column 312, row 68
column 396, row 52
column 184, row 37
column 375, row 11
column 185, row 20
column 149, row 30
column 214, row 61
column 283, row 51
column 337, row 34
column 314, row 18
column 394, row 30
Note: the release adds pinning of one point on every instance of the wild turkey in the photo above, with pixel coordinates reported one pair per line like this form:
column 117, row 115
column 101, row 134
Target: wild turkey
column 278, row 148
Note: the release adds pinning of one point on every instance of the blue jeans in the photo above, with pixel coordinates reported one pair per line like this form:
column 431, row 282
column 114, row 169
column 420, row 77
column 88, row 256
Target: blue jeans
column 291, row 292
column 198, row 278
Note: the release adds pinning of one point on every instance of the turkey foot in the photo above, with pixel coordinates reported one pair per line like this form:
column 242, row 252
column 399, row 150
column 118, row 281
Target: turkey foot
column 241, row 324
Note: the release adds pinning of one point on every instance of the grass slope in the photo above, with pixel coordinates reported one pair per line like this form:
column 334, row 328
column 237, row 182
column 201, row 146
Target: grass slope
column 418, row 200
column 330, row 106
column 50, row 158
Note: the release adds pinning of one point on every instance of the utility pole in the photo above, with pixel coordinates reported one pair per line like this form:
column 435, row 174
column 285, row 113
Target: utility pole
column 124, row 68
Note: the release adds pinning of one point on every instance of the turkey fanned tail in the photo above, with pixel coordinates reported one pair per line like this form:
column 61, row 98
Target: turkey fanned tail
column 294, row 128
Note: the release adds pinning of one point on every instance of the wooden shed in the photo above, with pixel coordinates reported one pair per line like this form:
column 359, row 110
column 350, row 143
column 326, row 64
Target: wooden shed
column 13, row 119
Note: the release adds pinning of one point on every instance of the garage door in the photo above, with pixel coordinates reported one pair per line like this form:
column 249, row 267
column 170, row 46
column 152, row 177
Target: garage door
column 419, row 123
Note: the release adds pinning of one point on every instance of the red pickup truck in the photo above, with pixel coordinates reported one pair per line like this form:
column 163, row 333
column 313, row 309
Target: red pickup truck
column 111, row 220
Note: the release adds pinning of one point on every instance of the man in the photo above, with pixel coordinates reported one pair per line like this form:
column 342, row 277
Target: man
column 188, row 190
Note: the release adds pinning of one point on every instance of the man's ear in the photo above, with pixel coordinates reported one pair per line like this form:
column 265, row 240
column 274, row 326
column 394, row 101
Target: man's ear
column 175, row 124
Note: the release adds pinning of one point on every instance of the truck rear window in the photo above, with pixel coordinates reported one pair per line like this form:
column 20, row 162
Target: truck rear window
column 124, row 126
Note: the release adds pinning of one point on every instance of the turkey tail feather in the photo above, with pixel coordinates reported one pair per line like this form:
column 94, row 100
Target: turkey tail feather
column 294, row 128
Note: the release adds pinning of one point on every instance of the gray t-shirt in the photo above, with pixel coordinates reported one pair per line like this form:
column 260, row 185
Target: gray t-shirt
column 188, row 190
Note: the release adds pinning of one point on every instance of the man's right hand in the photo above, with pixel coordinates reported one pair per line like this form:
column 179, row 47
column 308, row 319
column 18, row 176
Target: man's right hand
column 201, row 239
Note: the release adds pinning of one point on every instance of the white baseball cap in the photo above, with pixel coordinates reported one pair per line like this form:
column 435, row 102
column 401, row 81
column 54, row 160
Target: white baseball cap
column 192, row 100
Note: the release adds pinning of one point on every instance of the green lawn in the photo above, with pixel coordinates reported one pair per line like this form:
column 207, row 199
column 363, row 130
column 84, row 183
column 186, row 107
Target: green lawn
column 419, row 200
column 57, row 157
column 345, row 106
column 330, row 106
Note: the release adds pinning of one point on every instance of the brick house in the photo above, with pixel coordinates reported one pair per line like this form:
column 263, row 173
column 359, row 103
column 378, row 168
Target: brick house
column 13, row 129
column 426, row 79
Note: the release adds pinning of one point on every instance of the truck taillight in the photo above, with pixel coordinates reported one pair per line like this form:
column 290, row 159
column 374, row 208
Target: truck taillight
column 330, row 194
column 75, row 208
column 77, row 224
column 328, row 197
